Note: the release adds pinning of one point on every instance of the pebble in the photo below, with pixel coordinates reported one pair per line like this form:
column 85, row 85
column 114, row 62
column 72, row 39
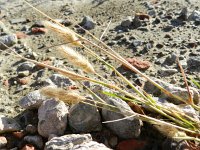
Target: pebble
column 88, row 23
column 31, row 129
column 183, row 14
column 8, row 124
column 32, row 100
column 193, row 63
column 61, row 81
column 3, row 142
column 52, row 116
column 18, row 20
column 137, row 43
column 163, row 72
column 8, row 40
column 84, row 118
column 35, row 140
column 23, row 73
column 129, row 128
column 195, row 16
column 67, row 142
column 25, row 66
column 170, row 144
column 127, row 22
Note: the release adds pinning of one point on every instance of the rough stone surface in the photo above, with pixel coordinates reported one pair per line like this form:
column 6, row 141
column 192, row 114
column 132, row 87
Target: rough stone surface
column 88, row 23
column 8, row 40
column 126, row 128
column 35, row 140
column 52, row 117
column 8, row 124
column 84, row 118
column 61, row 81
column 181, row 92
column 194, row 63
column 3, row 141
column 32, row 100
column 25, row 66
column 67, row 142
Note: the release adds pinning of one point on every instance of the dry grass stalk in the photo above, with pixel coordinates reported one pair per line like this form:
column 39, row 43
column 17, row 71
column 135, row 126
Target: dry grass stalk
column 67, row 34
column 76, row 59
column 67, row 96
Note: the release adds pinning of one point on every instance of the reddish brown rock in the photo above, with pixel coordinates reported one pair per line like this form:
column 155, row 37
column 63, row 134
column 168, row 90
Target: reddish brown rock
column 21, row 35
column 24, row 81
column 39, row 30
column 138, row 63
column 18, row 134
column 131, row 144
column 28, row 147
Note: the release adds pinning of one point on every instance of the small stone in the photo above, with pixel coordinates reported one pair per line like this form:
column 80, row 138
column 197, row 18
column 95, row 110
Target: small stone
column 8, row 125
column 126, row 128
column 31, row 129
column 171, row 144
column 127, row 22
column 3, row 141
column 88, row 23
column 61, row 81
column 18, row 20
column 32, row 100
column 136, row 22
column 193, row 63
column 152, row 13
column 195, row 16
column 171, row 59
column 67, row 142
column 183, row 14
column 28, row 147
column 137, row 43
column 23, row 73
column 52, row 116
column 163, row 72
column 37, row 30
column 137, row 63
column 35, row 140
column 8, row 40
column 26, row 66
column 84, row 118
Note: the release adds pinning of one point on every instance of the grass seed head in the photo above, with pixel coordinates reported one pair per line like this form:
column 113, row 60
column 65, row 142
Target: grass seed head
column 67, row 96
column 76, row 59
column 68, row 35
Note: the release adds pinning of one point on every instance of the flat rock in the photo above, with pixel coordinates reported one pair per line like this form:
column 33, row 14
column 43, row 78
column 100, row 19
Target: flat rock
column 67, row 142
column 84, row 118
column 8, row 124
column 52, row 116
column 126, row 128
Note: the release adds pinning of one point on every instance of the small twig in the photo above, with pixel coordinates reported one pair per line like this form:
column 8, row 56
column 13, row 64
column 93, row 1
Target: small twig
column 104, row 32
column 190, row 100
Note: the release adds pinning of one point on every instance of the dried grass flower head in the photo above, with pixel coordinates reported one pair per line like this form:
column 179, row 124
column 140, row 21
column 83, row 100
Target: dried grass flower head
column 67, row 96
column 67, row 34
column 76, row 59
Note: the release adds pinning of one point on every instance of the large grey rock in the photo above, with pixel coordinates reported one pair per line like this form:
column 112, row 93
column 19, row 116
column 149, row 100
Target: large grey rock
column 181, row 92
column 36, row 140
column 8, row 40
column 32, row 100
column 84, row 118
column 8, row 125
column 126, row 128
column 52, row 116
column 67, row 142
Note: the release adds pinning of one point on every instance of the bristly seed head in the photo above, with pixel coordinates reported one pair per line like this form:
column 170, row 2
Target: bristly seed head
column 67, row 96
column 76, row 59
column 68, row 35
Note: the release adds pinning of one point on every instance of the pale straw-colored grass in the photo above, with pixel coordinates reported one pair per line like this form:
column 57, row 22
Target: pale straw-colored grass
column 76, row 59
column 67, row 96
